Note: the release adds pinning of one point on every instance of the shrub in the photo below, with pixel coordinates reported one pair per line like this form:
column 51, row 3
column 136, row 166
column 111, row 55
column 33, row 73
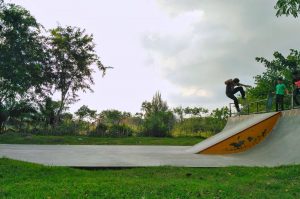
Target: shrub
column 115, row 130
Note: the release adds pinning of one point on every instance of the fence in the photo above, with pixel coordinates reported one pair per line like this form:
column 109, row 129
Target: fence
column 263, row 106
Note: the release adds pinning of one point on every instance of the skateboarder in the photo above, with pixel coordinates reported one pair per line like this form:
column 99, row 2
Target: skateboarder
column 280, row 91
column 232, row 87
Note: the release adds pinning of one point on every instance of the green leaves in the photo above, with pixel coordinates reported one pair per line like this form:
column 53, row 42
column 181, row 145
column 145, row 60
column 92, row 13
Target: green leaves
column 22, row 56
column 287, row 7
column 280, row 66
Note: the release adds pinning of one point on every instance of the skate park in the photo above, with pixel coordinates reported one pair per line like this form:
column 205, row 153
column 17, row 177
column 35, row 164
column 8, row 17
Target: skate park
column 267, row 139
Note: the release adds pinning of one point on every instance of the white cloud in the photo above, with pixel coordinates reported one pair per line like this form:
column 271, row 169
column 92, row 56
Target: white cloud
column 218, row 44
column 183, row 48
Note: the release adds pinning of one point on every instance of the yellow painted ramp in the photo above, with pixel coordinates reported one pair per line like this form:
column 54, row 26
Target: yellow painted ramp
column 240, row 136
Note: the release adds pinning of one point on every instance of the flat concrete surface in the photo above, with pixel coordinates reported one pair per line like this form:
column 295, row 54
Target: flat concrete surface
column 281, row 147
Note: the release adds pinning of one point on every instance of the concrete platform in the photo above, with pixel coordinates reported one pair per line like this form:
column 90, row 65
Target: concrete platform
column 281, row 147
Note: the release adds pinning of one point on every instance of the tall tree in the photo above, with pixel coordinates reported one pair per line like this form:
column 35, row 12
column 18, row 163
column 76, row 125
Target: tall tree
column 22, row 54
column 23, row 61
column 158, row 118
column 156, row 105
column 72, row 55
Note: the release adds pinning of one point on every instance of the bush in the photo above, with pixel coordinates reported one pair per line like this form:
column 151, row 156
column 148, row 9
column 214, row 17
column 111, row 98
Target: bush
column 198, row 126
column 64, row 128
column 158, row 124
column 115, row 130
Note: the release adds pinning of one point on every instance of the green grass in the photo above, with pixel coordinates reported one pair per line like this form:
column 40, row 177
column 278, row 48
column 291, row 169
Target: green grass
column 26, row 180
column 15, row 138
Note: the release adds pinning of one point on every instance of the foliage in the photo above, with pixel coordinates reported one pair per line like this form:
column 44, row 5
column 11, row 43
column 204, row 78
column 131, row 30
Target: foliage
column 158, row 119
column 287, row 7
column 112, row 117
column 27, row 138
column 279, row 67
column 114, row 130
column 23, row 59
column 156, row 105
column 197, row 125
column 48, row 109
column 17, row 114
column 85, row 112
column 158, row 124
column 72, row 54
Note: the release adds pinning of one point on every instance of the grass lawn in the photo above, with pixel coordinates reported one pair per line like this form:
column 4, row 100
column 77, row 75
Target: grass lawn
column 26, row 180
column 14, row 138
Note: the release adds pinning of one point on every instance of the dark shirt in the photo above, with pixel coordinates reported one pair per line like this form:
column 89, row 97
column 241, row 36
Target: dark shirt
column 229, row 87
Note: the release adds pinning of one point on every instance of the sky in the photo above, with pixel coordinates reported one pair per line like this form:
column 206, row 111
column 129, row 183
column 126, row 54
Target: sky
column 185, row 49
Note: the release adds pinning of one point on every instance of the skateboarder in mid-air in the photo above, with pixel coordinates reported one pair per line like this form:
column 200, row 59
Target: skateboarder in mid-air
column 232, row 87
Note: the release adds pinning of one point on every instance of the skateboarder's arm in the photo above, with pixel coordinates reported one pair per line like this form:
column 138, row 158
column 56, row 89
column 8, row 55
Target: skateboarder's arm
column 247, row 86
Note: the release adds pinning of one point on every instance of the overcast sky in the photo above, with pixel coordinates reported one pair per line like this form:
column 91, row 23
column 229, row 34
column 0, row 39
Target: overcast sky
column 185, row 49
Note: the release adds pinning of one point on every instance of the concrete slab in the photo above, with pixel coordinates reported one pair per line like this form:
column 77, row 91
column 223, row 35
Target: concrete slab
column 281, row 147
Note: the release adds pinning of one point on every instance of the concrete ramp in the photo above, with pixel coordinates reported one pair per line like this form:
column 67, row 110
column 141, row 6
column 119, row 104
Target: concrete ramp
column 240, row 134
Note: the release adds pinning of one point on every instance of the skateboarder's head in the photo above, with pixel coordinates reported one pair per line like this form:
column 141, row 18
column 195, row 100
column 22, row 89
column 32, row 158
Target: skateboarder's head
column 236, row 81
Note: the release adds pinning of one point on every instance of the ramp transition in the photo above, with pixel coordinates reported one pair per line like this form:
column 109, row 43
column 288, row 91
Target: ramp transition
column 239, row 134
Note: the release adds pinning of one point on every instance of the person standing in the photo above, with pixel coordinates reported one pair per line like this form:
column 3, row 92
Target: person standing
column 234, row 86
column 280, row 91
column 296, row 81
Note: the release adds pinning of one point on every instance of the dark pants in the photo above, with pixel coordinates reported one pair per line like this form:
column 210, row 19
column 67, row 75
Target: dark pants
column 279, row 102
column 235, row 100
column 295, row 94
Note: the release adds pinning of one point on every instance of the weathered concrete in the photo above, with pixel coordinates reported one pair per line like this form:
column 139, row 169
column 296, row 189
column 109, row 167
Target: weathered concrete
column 281, row 147
column 234, row 127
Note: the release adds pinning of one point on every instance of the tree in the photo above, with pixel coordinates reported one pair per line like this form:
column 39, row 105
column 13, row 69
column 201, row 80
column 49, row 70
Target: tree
column 156, row 105
column 18, row 111
column 23, row 60
column 48, row 109
column 85, row 112
column 179, row 111
column 72, row 55
column 113, row 117
column 287, row 7
column 220, row 114
column 158, row 118
column 279, row 67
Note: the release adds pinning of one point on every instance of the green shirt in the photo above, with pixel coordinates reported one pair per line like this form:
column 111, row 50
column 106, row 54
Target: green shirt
column 280, row 89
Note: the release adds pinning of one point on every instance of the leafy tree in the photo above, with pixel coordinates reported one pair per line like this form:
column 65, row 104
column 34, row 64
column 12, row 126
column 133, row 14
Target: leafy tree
column 159, row 124
column 85, row 112
column 195, row 111
column 72, row 55
column 287, row 7
column 158, row 120
column 220, row 114
column 113, row 117
column 280, row 66
column 18, row 111
column 180, row 112
column 23, row 60
column 156, row 105
column 48, row 109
